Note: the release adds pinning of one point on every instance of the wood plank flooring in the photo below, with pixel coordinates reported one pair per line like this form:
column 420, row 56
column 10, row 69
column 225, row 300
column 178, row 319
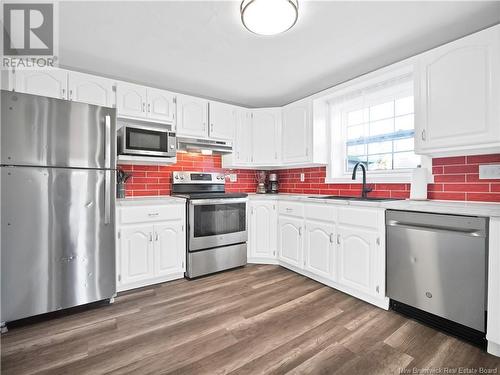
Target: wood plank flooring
column 259, row 319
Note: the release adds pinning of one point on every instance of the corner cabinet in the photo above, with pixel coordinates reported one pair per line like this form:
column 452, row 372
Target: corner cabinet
column 457, row 91
column 266, row 130
column 262, row 240
column 151, row 243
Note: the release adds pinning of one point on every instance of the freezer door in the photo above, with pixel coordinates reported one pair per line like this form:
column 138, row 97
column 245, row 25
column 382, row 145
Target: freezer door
column 58, row 239
column 41, row 131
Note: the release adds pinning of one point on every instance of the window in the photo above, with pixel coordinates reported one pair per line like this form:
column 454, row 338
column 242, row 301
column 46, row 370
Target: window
column 380, row 135
column 372, row 122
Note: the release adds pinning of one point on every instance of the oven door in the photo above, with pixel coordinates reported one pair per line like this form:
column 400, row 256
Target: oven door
column 217, row 222
column 148, row 141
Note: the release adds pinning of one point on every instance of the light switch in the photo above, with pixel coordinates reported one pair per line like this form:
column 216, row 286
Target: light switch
column 302, row 177
column 233, row 177
column 489, row 171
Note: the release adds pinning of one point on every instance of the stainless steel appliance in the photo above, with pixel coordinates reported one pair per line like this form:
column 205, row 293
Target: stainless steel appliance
column 135, row 138
column 216, row 222
column 199, row 145
column 272, row 185
column 57, row 204
column 436, row 270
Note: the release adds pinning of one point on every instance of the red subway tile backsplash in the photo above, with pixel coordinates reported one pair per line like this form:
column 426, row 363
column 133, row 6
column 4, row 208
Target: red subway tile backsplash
column 455, row 178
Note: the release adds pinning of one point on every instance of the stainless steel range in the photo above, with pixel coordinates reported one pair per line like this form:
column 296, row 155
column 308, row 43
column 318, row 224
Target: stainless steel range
column 216, row 222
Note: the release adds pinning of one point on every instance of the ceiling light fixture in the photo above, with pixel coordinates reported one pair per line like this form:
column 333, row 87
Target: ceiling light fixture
column 269, row 17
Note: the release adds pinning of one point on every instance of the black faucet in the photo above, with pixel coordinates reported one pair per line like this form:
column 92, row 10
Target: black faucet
column 365, row 189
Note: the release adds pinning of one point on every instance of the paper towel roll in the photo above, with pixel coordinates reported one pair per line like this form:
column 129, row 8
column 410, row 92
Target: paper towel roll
column 418, row 189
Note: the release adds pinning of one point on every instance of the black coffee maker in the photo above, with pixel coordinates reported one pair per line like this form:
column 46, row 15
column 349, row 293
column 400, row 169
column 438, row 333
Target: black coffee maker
column 272, row 184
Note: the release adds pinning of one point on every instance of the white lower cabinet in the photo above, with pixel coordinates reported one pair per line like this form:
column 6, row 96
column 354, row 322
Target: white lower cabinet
column 357, row 252
column 319, row 248
column 262, row 239
column 150, row 249
column 341, row 246
column 290, row 241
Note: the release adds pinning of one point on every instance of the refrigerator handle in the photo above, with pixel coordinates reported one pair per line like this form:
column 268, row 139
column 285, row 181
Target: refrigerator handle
column 107, row 196
column 107, row 142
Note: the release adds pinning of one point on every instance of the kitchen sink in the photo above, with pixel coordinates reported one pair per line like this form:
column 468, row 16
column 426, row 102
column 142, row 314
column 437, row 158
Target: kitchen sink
column 370, row 199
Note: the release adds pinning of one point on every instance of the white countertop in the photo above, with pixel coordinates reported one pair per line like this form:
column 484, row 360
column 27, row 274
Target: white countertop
column 433, row 206
column 148, row 201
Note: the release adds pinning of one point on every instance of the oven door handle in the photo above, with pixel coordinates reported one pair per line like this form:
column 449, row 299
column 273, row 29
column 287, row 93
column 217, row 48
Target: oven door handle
column 206, row 202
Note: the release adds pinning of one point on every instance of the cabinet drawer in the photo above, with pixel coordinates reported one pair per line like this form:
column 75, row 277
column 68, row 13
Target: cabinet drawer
column 291, row 208
column 129, row 215
column 359, row 217
column 320, row 212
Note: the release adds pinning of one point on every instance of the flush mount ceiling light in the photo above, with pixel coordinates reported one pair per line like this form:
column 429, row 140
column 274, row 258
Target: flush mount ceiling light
column 269, row 17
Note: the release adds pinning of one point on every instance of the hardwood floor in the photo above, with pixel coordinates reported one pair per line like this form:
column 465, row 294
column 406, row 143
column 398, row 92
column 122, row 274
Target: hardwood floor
column 255, row 320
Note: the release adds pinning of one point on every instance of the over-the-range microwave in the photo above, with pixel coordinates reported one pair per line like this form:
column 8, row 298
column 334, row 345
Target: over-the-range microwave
column 146, row 140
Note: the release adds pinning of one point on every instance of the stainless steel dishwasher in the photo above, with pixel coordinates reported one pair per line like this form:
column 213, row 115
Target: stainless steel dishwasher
column 437, row 270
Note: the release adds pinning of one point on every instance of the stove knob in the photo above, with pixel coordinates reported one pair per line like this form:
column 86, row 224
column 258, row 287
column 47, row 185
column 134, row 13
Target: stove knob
column 182, row 177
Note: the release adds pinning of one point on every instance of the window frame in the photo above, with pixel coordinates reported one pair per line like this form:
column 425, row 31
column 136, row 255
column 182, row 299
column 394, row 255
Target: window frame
column 346, row 95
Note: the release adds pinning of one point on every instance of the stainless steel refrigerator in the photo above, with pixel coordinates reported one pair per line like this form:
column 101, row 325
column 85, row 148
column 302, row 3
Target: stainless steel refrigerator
column 57, row 204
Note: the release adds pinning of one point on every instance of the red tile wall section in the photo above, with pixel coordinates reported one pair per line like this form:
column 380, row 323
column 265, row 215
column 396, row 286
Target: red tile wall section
column 455, row 178
column 148, row 180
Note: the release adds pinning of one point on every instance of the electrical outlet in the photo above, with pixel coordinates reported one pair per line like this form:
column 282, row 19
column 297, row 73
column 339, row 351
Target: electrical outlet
column 489, row 171
column 233, row 177
column 302, row 177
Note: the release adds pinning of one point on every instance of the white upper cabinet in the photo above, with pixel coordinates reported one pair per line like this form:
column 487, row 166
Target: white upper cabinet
column 223, row 120
column 263, row 230
column 50, row 82
column 145, row 103
column 160, row 105
column 192, row 116
column 131, row 100
column 296, row 132
column 266, row 125
column 242, row 145
column 87, row 88
column 457, row 91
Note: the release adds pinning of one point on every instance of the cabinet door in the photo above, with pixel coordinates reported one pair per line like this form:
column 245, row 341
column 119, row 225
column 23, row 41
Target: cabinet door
column 262, row 229
column 265, row 134
column 192, row 116
column 91, row 89
column 223, row 120
column 357, row 258
column 137, row 258
column 52, row 83
column 458, row 91
column 161, row 105
column 296, row 132
column 242, row 146
column 319, row 248
column 131, row 100
column 170, row 248
column 290, row 241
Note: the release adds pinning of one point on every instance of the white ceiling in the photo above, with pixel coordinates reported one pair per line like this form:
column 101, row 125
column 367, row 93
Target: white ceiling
column 201, row 47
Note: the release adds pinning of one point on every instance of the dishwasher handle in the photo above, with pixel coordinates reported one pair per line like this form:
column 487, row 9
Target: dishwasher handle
column 437, row 228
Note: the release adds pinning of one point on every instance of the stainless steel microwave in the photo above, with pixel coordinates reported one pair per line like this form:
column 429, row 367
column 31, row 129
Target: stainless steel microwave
column 146, row 141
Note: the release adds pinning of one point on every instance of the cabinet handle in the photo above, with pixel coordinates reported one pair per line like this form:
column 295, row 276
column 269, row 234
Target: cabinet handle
column 289, row 210
column 149, row 107
column 63, row 93
column 143, row 107
column 156, row 236
column 338, row 239
column 331, row 237
column 423, row 135
column 150, row 237
column 70, row 94
column 300, row 231
column 153, row 214
column 211, row 128
column 378, row 241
